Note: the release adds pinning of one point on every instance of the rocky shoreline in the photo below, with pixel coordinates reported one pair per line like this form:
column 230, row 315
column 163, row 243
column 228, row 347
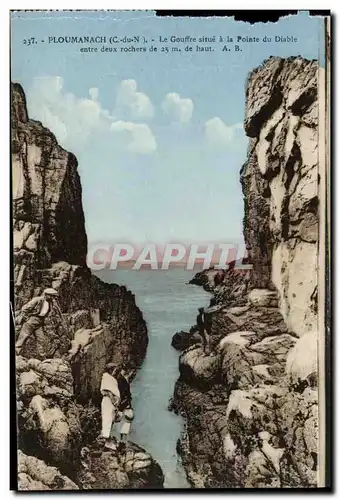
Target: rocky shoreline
column 58, row 389
column 251, row 408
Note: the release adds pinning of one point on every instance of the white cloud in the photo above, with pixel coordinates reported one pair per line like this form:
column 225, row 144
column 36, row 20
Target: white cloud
column 74, row 120
column 70, row 118
column 177, row 107
column 131, row 103
column 141, row 140
column 218, row 133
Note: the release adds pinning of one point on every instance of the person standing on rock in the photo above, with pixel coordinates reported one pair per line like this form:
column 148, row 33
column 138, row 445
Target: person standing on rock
column 207, row 328
column 116, row 405
column 125, row 407
column 32, row 315
column 110, row 402
column 219, row 276
column 200, row 320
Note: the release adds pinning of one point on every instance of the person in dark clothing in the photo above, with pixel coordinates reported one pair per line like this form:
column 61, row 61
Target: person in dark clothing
column 200, row 320
column 219, row 277
column 125, row 410
column 213, row 302
column 125, row 392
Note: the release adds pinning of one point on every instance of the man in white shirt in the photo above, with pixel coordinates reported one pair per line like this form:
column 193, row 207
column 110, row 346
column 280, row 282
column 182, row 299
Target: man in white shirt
column 110, row 402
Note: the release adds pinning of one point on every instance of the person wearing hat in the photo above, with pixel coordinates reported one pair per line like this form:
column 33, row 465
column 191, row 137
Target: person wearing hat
column 32, row 315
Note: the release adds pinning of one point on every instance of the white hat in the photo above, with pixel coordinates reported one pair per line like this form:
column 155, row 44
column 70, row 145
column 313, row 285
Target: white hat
column 50, row 291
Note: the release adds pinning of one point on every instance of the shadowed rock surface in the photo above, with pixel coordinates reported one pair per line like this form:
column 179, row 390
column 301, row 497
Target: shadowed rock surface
column 60, row 366
column 251, row 408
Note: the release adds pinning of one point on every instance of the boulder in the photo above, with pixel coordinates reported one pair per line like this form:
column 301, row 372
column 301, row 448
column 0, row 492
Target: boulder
column 238, row 359
column 198, row 367
column 132, row 468
column 263, row 321
column 183, row 340
column 35, row 475
column 274, row 349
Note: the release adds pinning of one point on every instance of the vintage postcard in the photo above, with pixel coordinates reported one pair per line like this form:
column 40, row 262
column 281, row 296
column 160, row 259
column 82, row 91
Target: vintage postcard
column 171, row 248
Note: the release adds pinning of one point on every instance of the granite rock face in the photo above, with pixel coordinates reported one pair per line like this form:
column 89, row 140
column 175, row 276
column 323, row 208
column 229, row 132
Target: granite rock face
column 47, row 207
column 251, row 408
column 48, row 417
column 60, row 366
column 50, row 246
column 280, row 185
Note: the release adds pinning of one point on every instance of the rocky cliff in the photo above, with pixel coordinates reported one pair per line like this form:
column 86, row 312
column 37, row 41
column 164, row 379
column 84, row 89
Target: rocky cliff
column 251, row 407
column 60, row 367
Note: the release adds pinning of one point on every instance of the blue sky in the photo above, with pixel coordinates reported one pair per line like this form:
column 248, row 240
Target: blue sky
column 158, row 136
